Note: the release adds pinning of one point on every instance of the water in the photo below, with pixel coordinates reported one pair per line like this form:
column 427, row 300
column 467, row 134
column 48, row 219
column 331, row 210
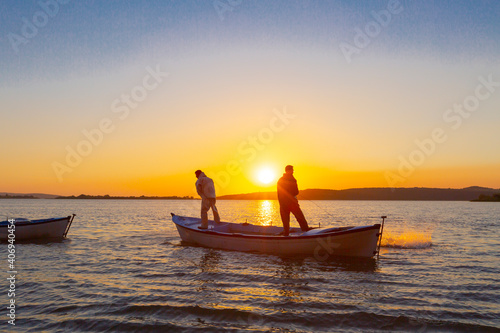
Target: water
column 123, row 269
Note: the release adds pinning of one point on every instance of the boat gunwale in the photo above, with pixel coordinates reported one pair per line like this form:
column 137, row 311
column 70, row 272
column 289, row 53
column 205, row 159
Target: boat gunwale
column 25, row 223
column 279, row 237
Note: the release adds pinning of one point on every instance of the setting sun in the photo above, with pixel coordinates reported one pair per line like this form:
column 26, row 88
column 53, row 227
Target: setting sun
column 266, row 175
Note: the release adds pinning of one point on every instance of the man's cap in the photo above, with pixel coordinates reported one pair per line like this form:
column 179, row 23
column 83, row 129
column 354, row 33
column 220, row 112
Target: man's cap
column 197, row 172
column 289, row 167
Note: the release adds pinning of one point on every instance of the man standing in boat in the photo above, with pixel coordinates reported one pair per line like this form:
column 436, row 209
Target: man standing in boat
column 206, row 189
column 287, row 197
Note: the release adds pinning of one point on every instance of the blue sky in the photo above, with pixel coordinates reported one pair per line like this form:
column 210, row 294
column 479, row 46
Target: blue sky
column 101, row 35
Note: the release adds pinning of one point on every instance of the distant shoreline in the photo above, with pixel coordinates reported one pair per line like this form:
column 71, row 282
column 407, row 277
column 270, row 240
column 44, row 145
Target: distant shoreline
column 473, row 193
column 6, row 196
column 108, row 197
column 488, row 198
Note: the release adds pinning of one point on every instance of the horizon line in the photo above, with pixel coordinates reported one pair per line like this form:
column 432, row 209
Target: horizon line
column 307, row 189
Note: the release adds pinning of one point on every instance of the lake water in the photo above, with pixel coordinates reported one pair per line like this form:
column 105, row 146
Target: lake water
column 124, row 269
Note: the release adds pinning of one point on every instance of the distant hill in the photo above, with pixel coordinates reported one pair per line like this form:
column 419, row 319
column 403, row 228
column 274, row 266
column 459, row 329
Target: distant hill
column 377, row 193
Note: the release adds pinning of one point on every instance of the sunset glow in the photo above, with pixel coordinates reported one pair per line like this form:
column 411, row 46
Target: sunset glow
column 266, row 175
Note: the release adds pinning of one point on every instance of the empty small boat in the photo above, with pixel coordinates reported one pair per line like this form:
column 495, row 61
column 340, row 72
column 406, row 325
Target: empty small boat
column 19, row 229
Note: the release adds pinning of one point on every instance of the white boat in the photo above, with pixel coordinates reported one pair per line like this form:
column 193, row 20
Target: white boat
column 20, row 229
column 318, row 242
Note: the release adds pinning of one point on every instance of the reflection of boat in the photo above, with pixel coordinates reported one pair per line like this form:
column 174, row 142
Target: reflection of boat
column 23, row 229
column 345, row 241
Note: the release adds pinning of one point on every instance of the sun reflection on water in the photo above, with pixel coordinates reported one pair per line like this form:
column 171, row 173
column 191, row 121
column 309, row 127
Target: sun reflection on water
column 266, row 212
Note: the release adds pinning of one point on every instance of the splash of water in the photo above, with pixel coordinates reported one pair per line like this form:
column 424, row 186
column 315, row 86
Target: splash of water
column 407, row 240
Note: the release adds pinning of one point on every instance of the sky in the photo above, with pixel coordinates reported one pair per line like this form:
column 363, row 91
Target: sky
column 131, row 97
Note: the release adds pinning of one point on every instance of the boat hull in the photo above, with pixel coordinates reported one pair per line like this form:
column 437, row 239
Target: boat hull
column 320, row 243
column 54, row 228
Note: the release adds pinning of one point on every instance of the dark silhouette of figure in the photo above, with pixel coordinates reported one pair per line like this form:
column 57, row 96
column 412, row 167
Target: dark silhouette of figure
column 287, row 197
column 206, row 189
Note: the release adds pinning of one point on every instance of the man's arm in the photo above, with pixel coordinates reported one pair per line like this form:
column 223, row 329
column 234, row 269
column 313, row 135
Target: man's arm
column 295, row 189
column 199, row 188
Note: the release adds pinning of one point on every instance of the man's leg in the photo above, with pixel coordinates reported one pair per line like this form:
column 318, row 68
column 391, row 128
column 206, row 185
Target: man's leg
column 297, row 212
column 285, row 218
column 215, row 211
column 205, row 206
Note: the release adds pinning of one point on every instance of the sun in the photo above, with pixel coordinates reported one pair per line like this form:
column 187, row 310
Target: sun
column 266, row 175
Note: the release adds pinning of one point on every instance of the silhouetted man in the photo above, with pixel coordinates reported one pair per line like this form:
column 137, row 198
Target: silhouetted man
column 206, row 190
column 287, row 197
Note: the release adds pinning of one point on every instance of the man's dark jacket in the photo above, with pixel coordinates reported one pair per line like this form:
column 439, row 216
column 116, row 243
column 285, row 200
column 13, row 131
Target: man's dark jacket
column 287, row 189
